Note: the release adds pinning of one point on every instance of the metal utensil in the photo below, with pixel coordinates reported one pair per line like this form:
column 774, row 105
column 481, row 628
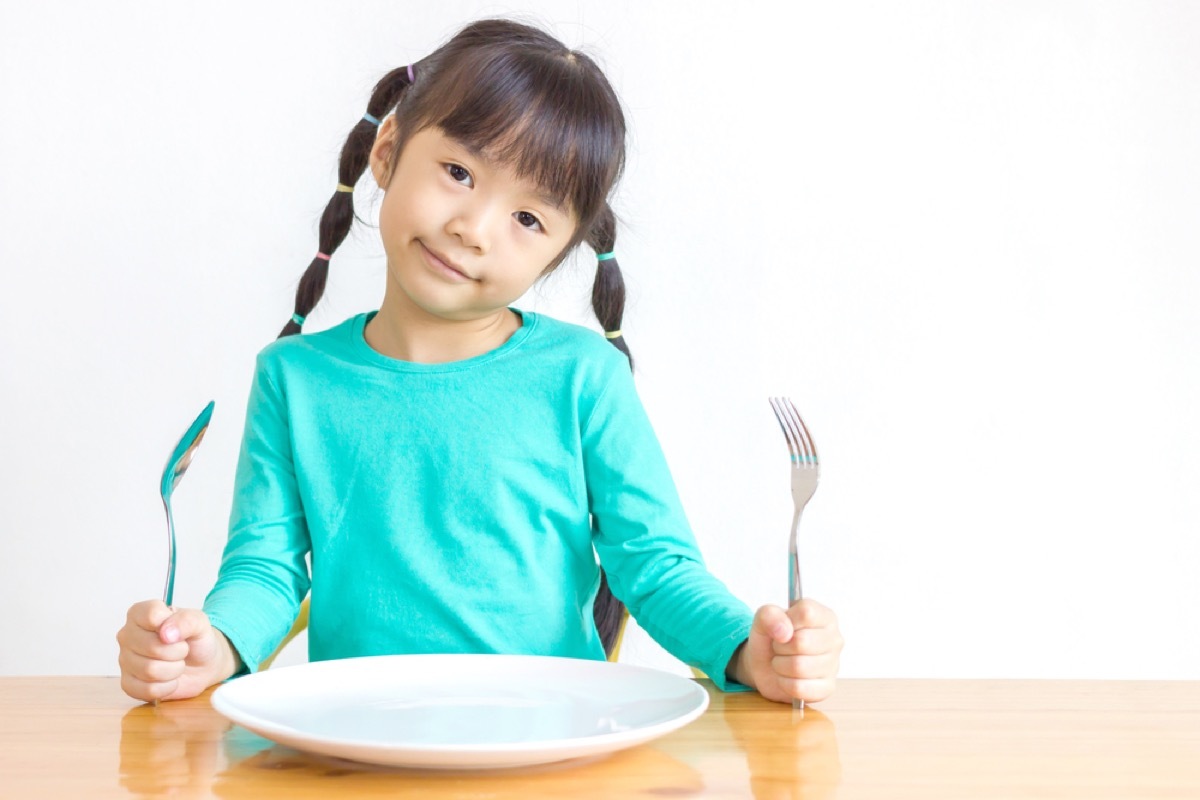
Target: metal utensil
column 805, row 473
column 177, row 464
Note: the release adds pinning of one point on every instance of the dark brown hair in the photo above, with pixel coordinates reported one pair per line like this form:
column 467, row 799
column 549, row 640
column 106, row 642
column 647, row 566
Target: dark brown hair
column 519, row 95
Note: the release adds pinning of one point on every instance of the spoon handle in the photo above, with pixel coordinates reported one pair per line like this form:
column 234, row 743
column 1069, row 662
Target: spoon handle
column 169, row 586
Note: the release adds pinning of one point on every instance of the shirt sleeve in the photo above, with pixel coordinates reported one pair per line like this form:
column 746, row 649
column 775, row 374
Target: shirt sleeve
column 264, row 572
column 645, row 543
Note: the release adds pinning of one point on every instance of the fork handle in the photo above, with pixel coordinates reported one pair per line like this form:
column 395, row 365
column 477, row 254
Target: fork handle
column 794, row 591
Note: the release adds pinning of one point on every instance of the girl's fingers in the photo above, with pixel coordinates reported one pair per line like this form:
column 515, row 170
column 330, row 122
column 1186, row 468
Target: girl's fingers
column 146, row 643
column 806, row 667
column 184, row 624
column 154, row 646
column 141, row 632
column 803, row 648
column 135, row 687
column 773, row 623
column 808, row 613
column 149, row 670
column 148, row 614
column 810, row 642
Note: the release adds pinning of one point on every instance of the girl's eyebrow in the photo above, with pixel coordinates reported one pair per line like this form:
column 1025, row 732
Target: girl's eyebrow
column 552, row 201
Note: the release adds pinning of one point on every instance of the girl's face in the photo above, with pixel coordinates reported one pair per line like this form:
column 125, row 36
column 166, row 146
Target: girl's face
column 464, row 236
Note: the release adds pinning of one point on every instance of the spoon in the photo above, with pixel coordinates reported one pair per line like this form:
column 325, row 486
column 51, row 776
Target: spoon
column 177, row 464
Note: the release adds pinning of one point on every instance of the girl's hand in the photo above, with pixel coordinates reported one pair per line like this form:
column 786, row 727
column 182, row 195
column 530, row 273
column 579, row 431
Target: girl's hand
column 171, row 654
column 790, row 655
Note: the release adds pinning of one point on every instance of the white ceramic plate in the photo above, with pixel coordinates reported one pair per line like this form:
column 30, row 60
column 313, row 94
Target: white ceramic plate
column 461, row 711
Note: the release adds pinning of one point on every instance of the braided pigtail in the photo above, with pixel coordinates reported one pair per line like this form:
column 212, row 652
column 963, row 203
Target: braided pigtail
column 608, row 301
column 608, row 290
column 339, row 213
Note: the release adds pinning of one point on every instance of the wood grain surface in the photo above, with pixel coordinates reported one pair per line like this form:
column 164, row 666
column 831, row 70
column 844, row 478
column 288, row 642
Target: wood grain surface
column 82, row 738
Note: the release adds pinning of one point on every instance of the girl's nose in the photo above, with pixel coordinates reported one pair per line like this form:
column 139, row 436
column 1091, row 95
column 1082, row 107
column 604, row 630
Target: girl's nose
column 471, row 225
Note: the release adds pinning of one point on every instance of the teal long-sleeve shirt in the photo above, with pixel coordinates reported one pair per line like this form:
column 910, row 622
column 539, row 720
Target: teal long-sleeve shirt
column 459, row 507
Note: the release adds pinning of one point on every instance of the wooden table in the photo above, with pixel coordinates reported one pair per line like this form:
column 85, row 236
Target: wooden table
column 82, row 738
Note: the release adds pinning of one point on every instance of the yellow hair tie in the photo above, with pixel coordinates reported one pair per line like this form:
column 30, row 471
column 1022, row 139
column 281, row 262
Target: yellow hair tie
column 612, row 334
column 344, row 188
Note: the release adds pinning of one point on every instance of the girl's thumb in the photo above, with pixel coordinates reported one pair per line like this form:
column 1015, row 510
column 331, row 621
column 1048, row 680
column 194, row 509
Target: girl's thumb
column 774, row 623
column 184, row 624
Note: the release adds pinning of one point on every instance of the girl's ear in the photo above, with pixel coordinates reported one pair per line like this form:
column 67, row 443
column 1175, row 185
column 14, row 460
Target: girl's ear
column 381, row 151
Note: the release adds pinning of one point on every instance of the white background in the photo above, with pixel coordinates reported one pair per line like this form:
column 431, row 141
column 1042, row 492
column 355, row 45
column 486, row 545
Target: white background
column 961, row 236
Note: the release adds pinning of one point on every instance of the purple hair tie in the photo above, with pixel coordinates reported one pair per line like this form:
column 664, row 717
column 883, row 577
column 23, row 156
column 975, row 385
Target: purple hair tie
column 411, row 77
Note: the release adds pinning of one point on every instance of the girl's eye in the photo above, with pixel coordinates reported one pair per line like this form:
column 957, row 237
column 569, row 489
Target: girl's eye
column 528, row 220
column 459, row 173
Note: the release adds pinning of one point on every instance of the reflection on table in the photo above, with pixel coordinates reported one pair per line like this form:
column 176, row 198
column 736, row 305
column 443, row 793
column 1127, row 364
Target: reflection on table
column 188, row 750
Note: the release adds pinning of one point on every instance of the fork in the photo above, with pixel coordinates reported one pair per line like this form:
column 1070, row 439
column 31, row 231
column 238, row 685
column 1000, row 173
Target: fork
column 805, row 472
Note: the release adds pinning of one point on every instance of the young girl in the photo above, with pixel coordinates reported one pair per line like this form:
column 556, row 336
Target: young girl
column 454, row 466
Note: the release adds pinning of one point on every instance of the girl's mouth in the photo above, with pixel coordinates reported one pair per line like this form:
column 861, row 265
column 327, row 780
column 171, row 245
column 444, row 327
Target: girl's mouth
column 443, row 266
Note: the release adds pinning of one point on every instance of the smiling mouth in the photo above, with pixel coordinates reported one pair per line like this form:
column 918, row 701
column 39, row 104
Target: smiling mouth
column 443, row 265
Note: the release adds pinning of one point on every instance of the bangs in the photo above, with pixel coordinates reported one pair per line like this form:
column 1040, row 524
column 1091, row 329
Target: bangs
column 539, row 114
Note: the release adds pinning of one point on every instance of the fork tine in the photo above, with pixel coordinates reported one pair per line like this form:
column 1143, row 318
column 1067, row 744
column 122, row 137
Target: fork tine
column 810, row 447
column 788, row 434
column 789, row 417
column 812, row 444
column 789, row 413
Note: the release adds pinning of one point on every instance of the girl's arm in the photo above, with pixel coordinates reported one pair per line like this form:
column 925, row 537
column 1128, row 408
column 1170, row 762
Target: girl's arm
column 644, row 541
column 264, row 573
